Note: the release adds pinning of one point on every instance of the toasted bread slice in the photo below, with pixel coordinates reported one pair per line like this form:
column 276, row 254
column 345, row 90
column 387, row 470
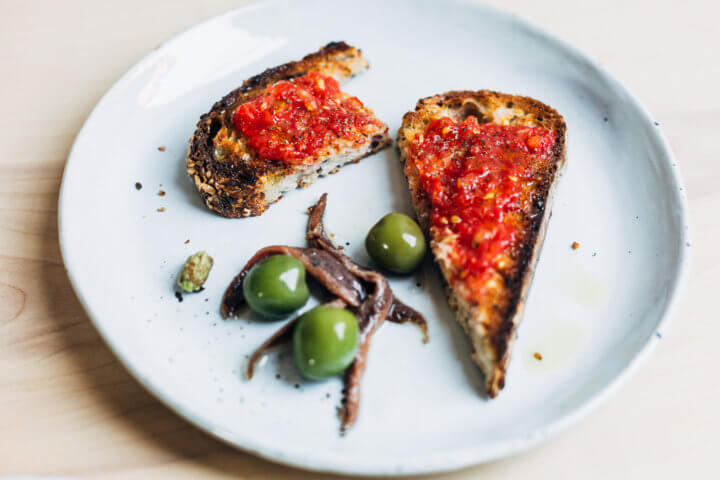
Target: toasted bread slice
column 482, row 168
column 240, row 168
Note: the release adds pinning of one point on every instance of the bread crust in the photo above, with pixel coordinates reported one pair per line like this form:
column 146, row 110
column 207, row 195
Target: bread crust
column 236, row 186
column 491, row 342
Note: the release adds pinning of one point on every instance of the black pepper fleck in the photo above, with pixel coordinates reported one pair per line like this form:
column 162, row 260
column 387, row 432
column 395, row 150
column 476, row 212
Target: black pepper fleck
column 179, row 296
column 138, row 185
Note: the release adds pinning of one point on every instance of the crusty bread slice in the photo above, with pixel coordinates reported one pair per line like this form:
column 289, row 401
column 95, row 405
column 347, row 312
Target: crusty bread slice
column 490, row 325
column 232, row 178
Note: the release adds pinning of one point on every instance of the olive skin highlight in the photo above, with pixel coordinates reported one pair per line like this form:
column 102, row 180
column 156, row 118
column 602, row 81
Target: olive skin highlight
column 276, row 286
column 325, row 342
column 396, row 243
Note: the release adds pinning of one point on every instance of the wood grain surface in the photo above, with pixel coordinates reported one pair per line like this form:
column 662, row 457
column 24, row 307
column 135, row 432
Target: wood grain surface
column 67, row 407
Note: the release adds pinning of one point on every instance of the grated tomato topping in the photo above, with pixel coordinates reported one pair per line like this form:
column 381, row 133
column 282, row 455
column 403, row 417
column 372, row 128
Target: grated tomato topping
column 296, row 120
column 479, row 178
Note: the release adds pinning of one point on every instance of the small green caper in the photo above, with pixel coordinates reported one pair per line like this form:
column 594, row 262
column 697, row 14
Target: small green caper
column 195, row 272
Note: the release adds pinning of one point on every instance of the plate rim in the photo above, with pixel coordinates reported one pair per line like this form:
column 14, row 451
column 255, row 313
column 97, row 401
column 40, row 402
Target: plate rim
column 444, row 461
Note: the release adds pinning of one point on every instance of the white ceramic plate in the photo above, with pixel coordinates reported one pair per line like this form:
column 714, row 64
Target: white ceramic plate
column 592, row 313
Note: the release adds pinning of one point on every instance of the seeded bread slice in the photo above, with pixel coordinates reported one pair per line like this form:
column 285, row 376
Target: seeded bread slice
column 491, row 330
column 231, row 178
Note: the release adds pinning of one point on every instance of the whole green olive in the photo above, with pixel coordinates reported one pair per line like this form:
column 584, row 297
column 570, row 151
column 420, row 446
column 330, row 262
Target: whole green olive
column 325, row 341
column 396, row 243
column 276, row 286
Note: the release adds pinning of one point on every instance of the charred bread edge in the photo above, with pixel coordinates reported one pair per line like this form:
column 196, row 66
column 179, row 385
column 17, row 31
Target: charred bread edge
column 546, row 117
column 200, row 161
column 498, row 379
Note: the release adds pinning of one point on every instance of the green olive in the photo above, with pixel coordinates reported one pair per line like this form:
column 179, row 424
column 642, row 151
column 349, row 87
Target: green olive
column 396, row 243
column 325, row 341
column 276, row 286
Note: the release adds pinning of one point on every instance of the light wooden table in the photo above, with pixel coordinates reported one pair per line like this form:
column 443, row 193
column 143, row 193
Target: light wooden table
column 66, row 405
